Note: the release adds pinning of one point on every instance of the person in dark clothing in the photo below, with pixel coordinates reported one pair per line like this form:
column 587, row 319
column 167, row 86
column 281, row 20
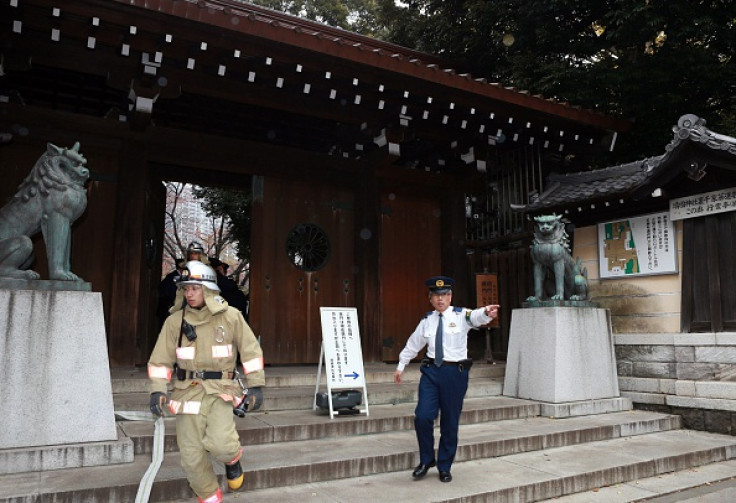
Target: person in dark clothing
column 167, row 291
column 228, row 288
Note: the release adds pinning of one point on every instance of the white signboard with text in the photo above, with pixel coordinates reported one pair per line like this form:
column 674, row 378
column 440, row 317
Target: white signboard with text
column 637, row 246
column 700, row 205
column 341, row 352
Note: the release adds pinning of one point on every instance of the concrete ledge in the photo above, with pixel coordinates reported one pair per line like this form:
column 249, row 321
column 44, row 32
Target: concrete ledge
column 585, row 407
column 726, row 338
column 58, row 457
column 714, row 389
column 676, row 339
column 647, row 385
column 700, row 403
column 650, row 398
column 643, row 339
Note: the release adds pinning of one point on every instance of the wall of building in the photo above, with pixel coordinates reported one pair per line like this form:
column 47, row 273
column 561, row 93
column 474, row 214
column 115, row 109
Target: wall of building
column 660, row 368
column 644, row 304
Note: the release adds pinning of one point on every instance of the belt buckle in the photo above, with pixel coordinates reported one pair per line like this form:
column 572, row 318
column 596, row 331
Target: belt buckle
column 199, row 374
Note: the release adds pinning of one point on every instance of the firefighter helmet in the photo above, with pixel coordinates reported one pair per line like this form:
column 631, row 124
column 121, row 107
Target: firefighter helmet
column 197, row 273
column 195, row 247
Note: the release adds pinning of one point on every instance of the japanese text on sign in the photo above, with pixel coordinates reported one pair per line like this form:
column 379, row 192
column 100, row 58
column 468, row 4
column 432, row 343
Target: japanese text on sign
column 700, row 205
column 637, row 246
column 486, row 288
column 341, row 342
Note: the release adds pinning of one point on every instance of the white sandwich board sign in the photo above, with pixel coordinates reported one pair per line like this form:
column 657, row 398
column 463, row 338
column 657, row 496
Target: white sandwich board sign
column 341, row 354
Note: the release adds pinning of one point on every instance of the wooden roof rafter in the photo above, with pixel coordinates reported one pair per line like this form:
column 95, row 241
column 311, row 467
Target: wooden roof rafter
column 330, row 75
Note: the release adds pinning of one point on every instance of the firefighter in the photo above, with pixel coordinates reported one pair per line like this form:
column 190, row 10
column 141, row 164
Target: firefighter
column 195, row 251
column 197, row 350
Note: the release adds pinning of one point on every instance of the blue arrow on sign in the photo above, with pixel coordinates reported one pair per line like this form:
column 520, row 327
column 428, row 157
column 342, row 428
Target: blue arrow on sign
column 354, row 375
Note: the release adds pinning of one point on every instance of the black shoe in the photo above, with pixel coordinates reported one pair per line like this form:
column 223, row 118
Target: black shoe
column 421, row 470
column 445, row 477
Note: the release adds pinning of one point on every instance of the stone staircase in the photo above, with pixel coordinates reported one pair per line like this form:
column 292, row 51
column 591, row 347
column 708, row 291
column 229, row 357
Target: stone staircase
column 292, row 388
column 508, row 450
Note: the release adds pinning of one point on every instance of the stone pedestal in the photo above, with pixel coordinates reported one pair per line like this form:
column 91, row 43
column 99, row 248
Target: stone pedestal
column 562, row 355
column 55, row 370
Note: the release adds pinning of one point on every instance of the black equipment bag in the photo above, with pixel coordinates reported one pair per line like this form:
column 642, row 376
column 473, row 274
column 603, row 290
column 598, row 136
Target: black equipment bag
column 343, row 399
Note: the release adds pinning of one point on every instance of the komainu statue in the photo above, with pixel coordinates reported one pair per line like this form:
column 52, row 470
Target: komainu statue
column 49, row 200
column 556, row 275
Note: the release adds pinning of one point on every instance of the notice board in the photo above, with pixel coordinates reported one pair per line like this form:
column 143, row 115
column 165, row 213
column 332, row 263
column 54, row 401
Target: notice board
column 637, row 246
column 341, row 352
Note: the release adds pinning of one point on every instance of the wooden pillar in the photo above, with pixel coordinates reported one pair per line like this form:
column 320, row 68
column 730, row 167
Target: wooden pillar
column 128, row 260
column 367, row 252
column 454, row 260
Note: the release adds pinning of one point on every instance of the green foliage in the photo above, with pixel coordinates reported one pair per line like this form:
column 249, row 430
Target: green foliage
column 360, row 16
column 234, row 206
column 647, row 60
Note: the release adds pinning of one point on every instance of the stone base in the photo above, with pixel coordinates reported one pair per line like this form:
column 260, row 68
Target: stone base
column 44, row 284
column 558, row 303
column 585, row 407
column 56, row 374
column 560, row 355
column 58, row 457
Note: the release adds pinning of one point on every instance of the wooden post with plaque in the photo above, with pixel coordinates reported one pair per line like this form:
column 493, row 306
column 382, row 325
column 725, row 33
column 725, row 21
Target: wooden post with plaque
column 486, row 290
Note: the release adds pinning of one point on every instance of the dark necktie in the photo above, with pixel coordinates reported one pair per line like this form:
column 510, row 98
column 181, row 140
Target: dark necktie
column 438, row 351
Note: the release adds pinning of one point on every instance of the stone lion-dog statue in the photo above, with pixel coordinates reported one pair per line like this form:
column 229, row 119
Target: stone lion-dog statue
column 49, row 200
column 557, row 276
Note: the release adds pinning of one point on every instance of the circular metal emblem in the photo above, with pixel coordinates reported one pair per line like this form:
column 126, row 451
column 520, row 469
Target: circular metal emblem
column 308, row 247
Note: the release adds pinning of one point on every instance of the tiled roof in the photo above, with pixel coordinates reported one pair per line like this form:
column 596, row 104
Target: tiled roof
column 567, row 190
column 290, row 30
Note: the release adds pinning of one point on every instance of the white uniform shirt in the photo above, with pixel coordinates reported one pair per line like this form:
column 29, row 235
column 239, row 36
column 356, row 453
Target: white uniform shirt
column 456, row 323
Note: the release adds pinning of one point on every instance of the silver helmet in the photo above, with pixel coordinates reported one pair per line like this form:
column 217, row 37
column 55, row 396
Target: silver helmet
column 195, row 247
column 197, row 273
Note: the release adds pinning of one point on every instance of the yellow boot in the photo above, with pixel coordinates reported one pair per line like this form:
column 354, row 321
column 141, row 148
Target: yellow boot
column 235, row 476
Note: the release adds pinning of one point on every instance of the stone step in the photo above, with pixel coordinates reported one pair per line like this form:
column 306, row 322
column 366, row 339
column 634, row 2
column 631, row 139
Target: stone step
column 385, row 446
column 302, row 397
column 712, row 483
column 524, row 477
column 289, row 426
column 135, row 380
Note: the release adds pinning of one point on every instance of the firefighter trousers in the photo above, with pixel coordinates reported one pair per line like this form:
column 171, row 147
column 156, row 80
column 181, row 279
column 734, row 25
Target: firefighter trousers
column 211, row 432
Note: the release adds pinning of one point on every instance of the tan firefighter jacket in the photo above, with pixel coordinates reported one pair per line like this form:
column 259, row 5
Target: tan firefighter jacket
column 221, row 333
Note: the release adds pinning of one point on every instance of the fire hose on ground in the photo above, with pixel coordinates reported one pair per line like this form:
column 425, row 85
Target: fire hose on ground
column 159, row 430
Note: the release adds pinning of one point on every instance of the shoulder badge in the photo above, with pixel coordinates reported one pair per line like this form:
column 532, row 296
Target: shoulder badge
column 467, row 316
column 427, row 315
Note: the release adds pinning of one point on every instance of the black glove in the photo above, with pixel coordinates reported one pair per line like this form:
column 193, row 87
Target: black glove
column 255, row 398
column 157, row 403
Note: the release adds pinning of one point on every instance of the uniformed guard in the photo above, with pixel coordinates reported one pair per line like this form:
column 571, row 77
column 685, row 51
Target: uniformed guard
column 197, row 348
column 445, row 370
